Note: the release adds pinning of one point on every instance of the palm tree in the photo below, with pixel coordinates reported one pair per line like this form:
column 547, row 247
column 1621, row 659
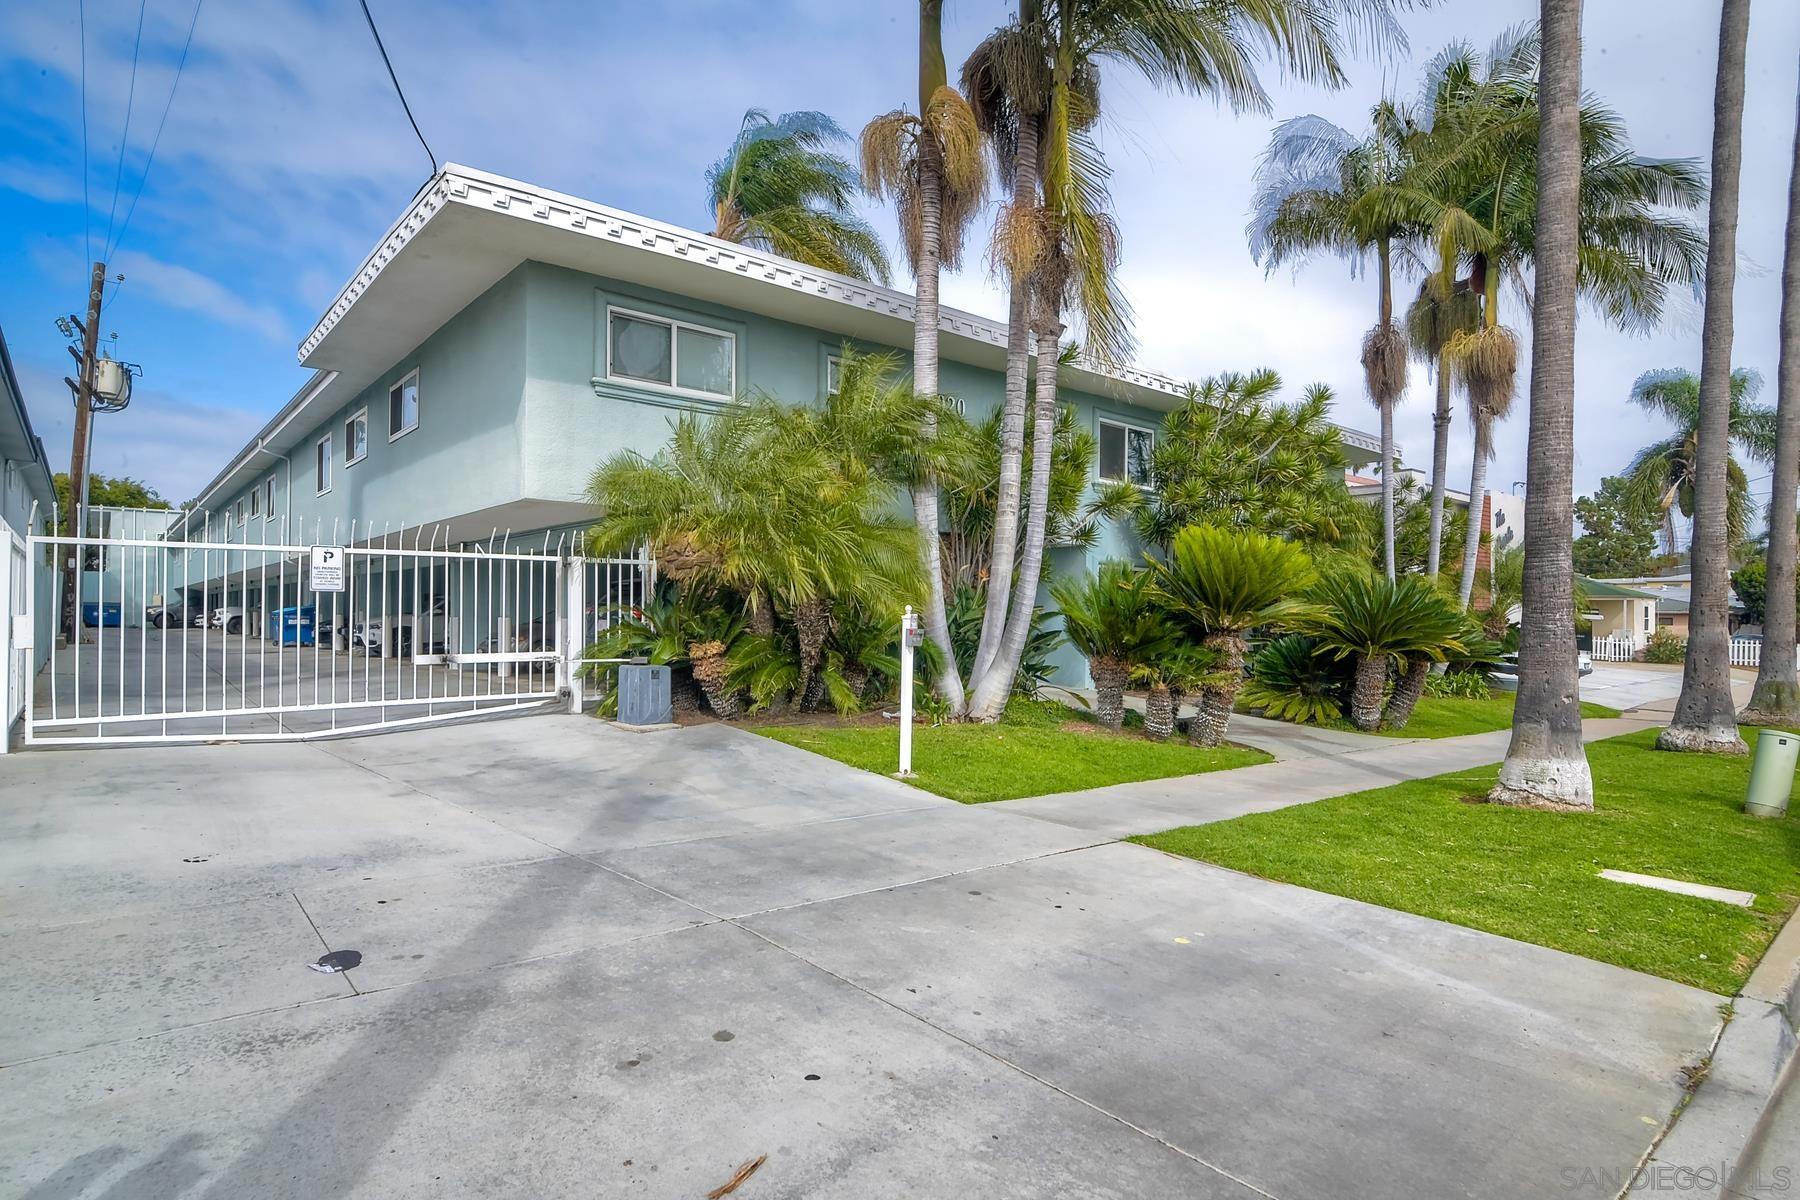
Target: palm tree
column 1112, row 618
column 1174, row 674
column 1776, row 700
column 930, row 164
column 1443, row 309
column 1381, row 623
column 1545, row 763
column 1066, row 254
column 781, row 188
column 1308, row 187
column 1660, row 479
column 1223, row 583
column 1705, row 715
column 782, row 506
column 1473, row 186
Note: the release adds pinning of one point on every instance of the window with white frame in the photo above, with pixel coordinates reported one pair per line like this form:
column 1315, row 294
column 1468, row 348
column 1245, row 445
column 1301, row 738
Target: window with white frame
column 240, row 512
column 356, row 435
column 403, row 411
column 673, row 355
column 255, row 503
column 834, row 373
column 269, row 498
column 322, row 465
column 1125, row 452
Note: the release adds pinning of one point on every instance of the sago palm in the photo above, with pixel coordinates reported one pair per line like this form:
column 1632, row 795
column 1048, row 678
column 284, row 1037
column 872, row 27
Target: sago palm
column 1173, row 674
column 781, row 188
column 1660, row 479
column 929, row 164
column 1113, row 619
column 1380, row 623
column 1223, row 583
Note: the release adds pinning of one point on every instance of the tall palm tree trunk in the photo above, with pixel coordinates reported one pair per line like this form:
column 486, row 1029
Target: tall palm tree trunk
column 925, row 351
column 1705, row 716
column 1545, row 764
column 1484, row 436
column 1386, row 401
column 989, row 700
column 1012, row 421
column 1440, row 468
column 1776, row 700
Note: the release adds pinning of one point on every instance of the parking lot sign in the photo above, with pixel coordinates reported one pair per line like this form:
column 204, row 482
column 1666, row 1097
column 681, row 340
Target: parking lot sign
column 328, row 568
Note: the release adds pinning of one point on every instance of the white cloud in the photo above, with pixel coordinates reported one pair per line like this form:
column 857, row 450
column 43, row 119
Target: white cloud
column 179, row 287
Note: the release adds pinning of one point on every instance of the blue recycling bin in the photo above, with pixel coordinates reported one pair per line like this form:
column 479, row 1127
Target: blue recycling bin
column 292, row 626
column 94, row 614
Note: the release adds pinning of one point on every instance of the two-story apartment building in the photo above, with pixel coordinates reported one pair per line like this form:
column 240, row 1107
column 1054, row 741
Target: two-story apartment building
column 501, row 340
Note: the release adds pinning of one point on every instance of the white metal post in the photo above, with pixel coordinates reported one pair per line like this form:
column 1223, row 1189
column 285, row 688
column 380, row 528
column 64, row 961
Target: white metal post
column 571, row 631
column 908, row 623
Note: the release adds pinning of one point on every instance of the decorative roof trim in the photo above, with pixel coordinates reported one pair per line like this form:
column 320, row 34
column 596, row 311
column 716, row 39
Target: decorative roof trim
column 457, row 184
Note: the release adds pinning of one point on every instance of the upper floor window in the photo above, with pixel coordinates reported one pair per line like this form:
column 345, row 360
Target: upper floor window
column 356, row 435
column 834, row 373
column 269, row 498
column 403, row 411
column 240, row 512
column 322, row 465
column 255, row 502
column 1125, row 453
column 670, row 354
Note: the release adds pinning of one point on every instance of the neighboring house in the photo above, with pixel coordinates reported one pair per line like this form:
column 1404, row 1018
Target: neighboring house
column 1615, row 611
column 27, row 502
column 1673, row 593
column 501, row 340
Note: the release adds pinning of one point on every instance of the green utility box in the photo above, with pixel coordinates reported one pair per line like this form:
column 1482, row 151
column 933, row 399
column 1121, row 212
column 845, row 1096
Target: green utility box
column 1772, row 774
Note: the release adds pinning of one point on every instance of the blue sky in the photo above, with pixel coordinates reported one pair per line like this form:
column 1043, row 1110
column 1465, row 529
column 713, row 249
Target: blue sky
column 286, row 155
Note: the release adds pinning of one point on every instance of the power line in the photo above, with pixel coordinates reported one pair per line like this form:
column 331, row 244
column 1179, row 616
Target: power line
column 125, row 137
column 87, row 206
column 157, row 140
column 397, row 88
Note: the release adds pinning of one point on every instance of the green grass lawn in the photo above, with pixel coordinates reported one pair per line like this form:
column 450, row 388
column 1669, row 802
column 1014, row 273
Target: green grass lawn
column 1041, row 747
column 1452, row 716
column 1424, row 847
column 1449, row 716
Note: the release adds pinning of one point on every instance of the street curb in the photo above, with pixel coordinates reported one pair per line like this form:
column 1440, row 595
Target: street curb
column 1715, row 1134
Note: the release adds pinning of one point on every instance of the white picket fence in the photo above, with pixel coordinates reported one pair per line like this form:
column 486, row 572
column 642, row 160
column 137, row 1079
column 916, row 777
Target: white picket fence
column 1617, row 648
column 1745, row 652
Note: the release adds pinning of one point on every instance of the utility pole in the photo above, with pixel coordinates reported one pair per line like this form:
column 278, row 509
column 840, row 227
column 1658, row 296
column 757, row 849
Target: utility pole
column 78, row 464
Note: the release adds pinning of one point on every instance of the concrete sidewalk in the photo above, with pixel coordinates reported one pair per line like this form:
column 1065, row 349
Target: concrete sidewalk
column 1153, row 805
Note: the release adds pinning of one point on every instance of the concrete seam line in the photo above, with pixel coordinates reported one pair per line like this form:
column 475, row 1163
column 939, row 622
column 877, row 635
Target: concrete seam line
column 145, row 1037
column 1009, row 1063
column 889, row 887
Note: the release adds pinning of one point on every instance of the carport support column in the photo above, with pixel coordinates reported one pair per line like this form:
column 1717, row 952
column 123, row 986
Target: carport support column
column 571, row 628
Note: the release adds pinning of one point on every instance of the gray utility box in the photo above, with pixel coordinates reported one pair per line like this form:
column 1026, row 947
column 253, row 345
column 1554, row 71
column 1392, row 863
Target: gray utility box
column 644, row 695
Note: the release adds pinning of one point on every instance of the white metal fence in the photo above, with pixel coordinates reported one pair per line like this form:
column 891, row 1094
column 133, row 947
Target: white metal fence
column 187, row 638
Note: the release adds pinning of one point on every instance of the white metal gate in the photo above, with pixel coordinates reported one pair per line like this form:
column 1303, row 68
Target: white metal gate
column 194, row 639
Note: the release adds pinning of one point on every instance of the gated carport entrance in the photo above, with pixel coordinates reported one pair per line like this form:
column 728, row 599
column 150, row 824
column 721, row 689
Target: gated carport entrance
column 191, row 640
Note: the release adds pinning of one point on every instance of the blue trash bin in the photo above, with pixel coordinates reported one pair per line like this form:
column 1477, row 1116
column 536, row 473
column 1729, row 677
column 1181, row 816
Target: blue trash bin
column 94, row 614
column 292, row 626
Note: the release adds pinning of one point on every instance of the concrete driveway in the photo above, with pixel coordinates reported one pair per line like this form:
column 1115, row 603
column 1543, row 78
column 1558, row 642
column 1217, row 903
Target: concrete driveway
column 605, row 964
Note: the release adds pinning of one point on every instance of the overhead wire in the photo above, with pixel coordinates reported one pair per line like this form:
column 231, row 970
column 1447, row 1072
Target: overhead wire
column 125, row 137
column 398, row 90
column 87, row 207
column 157, row 140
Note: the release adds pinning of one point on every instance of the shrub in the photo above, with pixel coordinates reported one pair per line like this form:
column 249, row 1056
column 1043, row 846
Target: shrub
column 1459, row 685
column 1291, row 681
column 1666, row 647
